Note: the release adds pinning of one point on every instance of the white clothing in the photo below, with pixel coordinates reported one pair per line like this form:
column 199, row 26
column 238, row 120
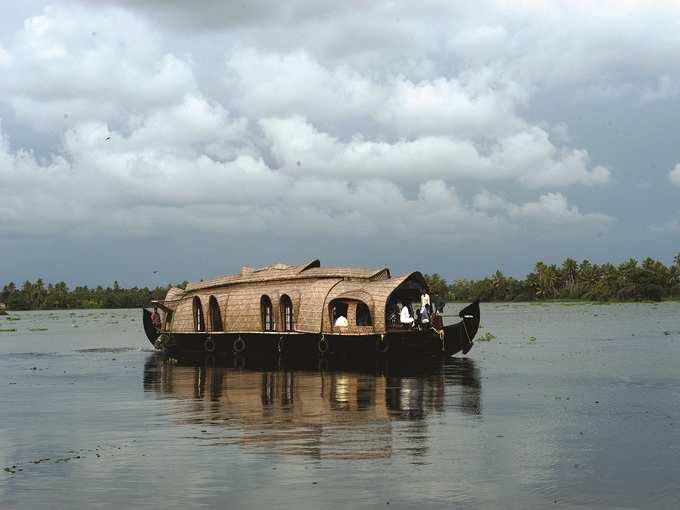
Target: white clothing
column 341, row 321
column 424, row 316
column 424, row 299
column 405, row 317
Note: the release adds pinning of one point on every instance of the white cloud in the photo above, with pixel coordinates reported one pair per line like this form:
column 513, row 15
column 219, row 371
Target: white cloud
column 538, row 163
column 468, row 107
column 55, row 73
column 554, row 208
column 674, row 175
column 4, row 57
column 527, row 157
column 550, row 209
column 108, row 182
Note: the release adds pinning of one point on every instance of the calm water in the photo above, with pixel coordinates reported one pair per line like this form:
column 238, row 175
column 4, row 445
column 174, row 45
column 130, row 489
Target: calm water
column 576, row 406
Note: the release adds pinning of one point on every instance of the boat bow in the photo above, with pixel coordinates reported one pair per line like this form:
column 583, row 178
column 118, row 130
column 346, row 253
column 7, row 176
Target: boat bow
column 458, row 337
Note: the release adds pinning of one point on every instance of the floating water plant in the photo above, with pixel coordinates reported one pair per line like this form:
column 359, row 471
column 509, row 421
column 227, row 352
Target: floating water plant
column 8, row 330
column 487, row 337
column 37, row 329
column 532, row 338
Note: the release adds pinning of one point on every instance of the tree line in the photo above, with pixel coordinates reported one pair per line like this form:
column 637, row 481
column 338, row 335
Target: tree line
column 650, row 280
column 38, row 296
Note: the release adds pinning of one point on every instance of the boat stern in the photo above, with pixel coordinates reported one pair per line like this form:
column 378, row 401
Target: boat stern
column 149, row 328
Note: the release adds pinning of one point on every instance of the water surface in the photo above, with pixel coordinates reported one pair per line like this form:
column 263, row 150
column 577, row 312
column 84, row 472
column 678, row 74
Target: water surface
column 575, row 406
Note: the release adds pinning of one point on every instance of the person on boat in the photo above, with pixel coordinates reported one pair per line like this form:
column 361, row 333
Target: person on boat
column 436, row 320
column 393, row 317
column 439, row 304
column 341, row 321
column 156, row 318
column 405, row 317
column 424, row 298
column 425, row 315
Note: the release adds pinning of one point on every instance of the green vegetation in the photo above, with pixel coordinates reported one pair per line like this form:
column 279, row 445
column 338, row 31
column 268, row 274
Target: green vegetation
column 651, row 280
column 486, row 337
column 38, row 296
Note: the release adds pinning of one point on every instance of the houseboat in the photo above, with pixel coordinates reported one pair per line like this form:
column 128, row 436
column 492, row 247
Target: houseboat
column 306, row 310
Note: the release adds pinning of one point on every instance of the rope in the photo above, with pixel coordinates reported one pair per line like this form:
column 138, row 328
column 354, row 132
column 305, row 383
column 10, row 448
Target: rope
column 466, row 332
column 382, row 346
column 440, row 332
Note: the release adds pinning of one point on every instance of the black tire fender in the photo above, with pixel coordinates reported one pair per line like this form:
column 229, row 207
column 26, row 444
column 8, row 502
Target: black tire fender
column 239, row 345
column 209, row 345
column 323, row 345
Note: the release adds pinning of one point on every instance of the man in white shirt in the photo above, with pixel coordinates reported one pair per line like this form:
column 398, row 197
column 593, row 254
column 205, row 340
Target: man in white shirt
column 424, row 298
column 405, row 317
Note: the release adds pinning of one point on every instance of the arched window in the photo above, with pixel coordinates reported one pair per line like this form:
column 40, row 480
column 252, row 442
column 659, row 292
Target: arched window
column 339, row 309
column 286, row 313
column 363, row 315
column 215, row 315
column 266, row 313
column 199, row 322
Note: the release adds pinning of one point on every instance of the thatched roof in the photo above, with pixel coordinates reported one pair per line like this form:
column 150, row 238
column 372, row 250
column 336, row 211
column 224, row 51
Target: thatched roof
column 310, row 288
column 274, row 272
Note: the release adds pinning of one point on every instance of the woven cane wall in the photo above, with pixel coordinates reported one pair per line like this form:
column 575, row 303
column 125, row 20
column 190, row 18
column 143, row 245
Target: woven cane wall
column 242, row 311
column 184, row 318
column 312, row 297
column 172, row 297
column 240, row 303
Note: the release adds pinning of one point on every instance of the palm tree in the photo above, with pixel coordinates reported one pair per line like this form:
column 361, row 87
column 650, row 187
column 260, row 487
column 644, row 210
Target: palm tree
column 570, row 272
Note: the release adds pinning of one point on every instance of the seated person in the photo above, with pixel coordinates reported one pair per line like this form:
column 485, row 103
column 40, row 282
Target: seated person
column 425, row 316
column 405, row 317
column 156, row 318
column 439, row 304
column 436, row 319
column 341, row 321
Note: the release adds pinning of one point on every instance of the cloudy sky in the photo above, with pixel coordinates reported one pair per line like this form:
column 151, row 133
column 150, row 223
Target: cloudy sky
column 191, row 138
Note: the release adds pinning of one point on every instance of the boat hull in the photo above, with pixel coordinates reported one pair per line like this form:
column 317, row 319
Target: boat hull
column 394, row 344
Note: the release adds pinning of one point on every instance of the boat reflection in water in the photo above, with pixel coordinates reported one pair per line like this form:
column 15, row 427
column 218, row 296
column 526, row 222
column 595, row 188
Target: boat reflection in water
column 329, row 412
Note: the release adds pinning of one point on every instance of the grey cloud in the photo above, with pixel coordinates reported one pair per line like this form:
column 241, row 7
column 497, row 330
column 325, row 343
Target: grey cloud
column 217, row 14
column 366, row 127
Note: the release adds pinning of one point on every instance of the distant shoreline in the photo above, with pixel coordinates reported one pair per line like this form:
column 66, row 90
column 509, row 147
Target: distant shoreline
column 629, row 282
column 535, row 302
column 572, row 281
